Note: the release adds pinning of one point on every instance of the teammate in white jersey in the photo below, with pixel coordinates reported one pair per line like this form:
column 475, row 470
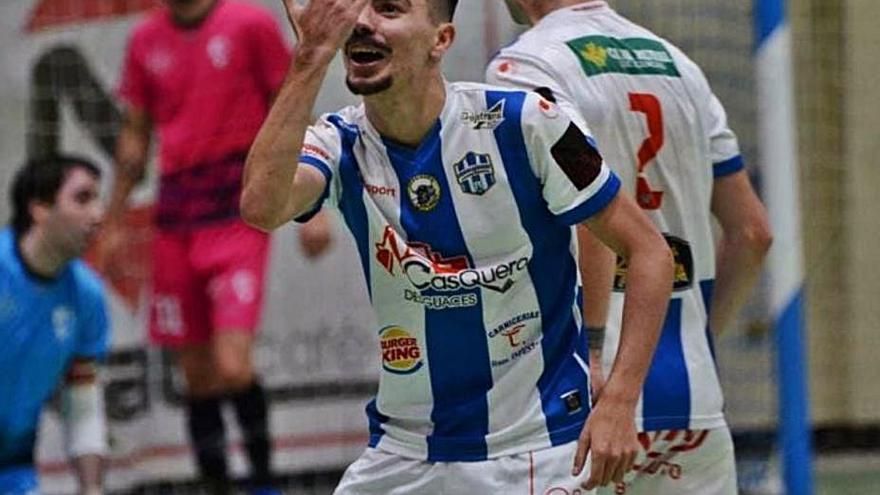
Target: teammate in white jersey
column 461, row 200
column 662, row 130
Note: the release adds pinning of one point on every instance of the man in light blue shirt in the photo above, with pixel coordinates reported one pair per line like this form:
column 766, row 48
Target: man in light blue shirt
column 53, row 320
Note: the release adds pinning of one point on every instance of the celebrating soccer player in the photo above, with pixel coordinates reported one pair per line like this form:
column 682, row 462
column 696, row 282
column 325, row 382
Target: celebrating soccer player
column 461, row 199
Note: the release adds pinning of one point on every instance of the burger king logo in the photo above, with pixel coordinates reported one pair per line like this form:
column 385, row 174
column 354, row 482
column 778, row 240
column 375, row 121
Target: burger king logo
column 401, row 353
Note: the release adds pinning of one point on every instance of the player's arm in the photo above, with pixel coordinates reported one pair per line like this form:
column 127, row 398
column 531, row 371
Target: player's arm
column 275, row 188
column 132, row 148
column 610, row 431
column 745, row 240
column 130, row 162
column 596, row 263
column 85, row 429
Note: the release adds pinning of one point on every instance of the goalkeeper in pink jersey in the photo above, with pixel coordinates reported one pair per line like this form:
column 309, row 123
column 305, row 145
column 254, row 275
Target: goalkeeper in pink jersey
column 203, row 74
column 660, row 127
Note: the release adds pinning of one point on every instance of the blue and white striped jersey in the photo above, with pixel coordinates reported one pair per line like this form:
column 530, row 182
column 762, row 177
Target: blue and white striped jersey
column 663, row 131
column 43, row 325
column 467, row 246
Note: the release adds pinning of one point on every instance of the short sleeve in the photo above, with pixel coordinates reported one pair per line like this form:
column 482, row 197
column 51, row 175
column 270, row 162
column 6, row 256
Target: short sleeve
column 270, row 52
column 134, row 86
column 723, row 145
column 321, row 150
column 94, row 323
column 576, row 183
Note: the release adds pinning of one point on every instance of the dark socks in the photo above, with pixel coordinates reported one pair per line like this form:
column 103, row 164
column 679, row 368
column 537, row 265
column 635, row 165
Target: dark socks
column 208, row 437
column 251, row 409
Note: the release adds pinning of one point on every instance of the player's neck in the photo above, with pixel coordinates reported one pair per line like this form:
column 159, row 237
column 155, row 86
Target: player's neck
column 406, row 115
column 535, row 11
column 39, row 256
column 191, row 14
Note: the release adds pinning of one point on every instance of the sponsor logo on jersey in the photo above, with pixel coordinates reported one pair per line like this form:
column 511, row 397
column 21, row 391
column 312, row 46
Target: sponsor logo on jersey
column 485, row 119
column 401, row 353
column 441, row 302
column 514, row 334
column 684, row 266
column 516, row 321
column 522, row 348
column 475, row 173
column 424, row 192
column 62, row 320
column 636, row 56
column 660, row 448
column 374, row 190
column 427, row 270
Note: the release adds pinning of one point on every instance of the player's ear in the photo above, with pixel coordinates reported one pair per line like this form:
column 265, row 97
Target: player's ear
column 443, row 41
column 39, row 210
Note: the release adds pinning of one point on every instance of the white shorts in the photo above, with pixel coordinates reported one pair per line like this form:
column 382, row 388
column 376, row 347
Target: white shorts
column 541, row 472
column 681, row 462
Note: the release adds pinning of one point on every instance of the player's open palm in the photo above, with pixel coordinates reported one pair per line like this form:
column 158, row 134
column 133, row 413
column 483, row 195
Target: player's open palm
column 610, row 435
column 323, row 25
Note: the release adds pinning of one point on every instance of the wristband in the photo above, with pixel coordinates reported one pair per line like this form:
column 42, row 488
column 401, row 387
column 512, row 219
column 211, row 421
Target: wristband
column 595, row 338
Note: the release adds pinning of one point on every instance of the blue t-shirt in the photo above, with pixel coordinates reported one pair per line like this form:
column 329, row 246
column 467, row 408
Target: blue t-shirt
column 44, row 323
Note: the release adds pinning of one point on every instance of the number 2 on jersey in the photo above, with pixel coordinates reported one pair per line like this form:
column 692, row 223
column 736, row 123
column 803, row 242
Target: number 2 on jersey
column 648, row 104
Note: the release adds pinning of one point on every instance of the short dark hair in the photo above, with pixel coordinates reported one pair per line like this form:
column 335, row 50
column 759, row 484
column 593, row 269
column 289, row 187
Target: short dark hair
column 443, row 10
column 40, row 180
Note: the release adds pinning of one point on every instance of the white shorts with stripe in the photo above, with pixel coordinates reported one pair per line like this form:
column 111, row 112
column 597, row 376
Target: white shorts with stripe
column 681, row 462
column 541, row 472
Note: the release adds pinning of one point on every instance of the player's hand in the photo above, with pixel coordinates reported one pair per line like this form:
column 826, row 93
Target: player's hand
column 610, row 435
column 597, row 377
column 323, row 25
column 315, row 236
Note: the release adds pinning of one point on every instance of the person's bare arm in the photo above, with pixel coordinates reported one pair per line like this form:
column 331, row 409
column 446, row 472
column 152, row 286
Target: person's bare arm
column 132, row 148
column 84, row 424
column 610, row 432
column 275, row 189
column 745, row 240
column 597, row 263
column 130, row 163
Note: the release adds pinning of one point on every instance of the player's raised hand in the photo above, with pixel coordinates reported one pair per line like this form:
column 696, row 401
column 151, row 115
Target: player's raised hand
column 610, row 434
column 323, row 24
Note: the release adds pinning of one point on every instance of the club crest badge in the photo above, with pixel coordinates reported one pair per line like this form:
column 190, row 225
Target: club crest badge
column 475, row 173
column 424, row 192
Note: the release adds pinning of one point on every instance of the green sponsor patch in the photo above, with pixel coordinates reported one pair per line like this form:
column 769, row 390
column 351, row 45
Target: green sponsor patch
column 640, row 56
